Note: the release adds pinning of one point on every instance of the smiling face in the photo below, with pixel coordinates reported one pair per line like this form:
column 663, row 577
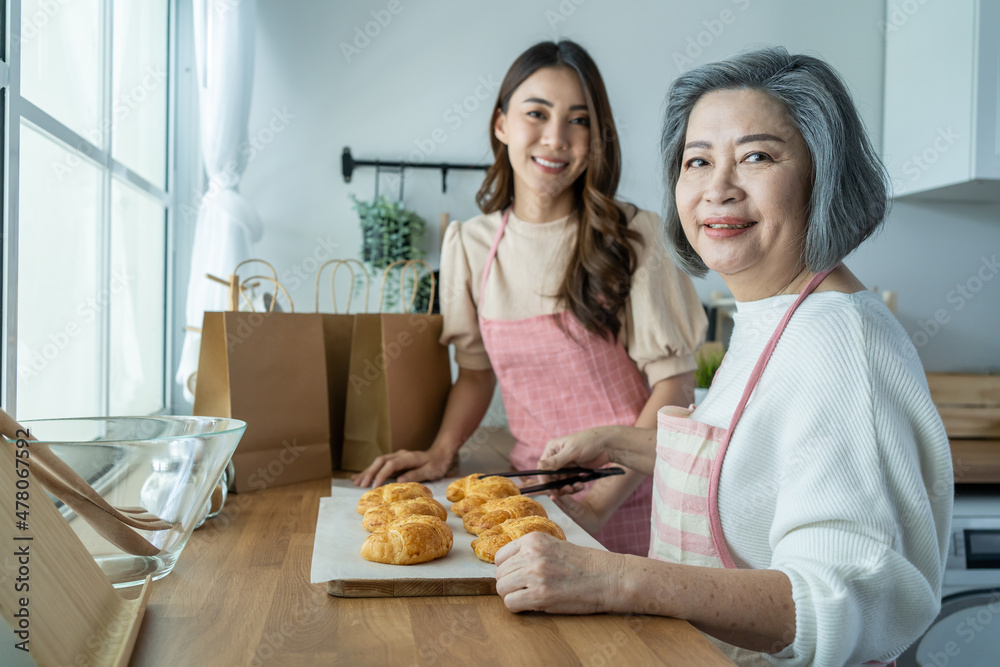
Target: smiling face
column 743, row 191
column 547, row 132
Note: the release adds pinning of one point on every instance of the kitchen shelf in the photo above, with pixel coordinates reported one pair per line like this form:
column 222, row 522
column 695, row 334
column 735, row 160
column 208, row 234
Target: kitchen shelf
column 976, row 461
column 969, row 405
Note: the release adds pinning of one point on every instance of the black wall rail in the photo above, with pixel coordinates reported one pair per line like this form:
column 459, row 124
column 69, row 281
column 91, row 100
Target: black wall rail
column 348, row 164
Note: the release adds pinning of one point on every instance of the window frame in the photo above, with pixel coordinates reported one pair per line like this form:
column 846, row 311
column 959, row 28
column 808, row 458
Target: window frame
column 16, row 110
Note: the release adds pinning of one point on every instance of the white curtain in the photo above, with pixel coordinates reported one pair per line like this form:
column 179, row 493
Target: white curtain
column 227, row 222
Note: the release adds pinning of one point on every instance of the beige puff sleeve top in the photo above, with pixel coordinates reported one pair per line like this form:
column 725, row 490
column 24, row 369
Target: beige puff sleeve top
column 663, row 321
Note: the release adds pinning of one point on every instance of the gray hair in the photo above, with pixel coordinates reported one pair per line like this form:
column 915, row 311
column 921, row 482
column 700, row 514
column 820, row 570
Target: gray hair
column 850, row 193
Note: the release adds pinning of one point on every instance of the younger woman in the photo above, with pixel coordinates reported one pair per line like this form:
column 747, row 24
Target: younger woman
column 562, row 293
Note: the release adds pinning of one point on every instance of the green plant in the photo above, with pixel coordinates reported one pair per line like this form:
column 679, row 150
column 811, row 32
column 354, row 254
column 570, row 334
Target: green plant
column 708, row 364
column 390, row 233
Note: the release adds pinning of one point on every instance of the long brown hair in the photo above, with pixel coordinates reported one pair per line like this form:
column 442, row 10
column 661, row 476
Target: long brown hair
column 599, row 275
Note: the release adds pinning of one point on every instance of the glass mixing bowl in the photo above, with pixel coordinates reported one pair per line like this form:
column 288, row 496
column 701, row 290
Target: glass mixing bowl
column 168, row 465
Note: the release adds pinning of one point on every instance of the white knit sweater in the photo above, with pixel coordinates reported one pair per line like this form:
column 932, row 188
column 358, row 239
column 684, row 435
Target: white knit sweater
column 838, row 474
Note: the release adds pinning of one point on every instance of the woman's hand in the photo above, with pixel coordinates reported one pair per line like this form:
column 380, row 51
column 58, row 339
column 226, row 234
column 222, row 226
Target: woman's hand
column 429, row 465
column 629, row 446
column 589, row 448
column 538, row 572
column 467, row 402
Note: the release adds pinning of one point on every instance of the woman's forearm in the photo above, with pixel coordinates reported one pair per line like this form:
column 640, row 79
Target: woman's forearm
column 676, row 390
column 630, row 446
column 752, row 609
column 468, row 401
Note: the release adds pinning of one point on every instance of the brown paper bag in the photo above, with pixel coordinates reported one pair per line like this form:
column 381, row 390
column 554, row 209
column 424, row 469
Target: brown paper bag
column 269, row 370
column 338, row 331
column 398, row 384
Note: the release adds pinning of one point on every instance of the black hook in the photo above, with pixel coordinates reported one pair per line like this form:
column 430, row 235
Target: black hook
column 347, row 164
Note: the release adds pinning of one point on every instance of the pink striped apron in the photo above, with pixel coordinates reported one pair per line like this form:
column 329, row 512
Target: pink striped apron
column 554, row 384
column 686, row 527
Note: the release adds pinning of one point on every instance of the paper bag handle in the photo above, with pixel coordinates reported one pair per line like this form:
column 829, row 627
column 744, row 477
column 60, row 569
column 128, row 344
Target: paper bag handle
column 233, row 284
column 408, row 264
column 337, row 263
column 277, row 285
column 274, row 274
column 237, row 285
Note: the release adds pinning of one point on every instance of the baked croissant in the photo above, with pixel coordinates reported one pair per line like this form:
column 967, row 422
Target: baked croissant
column 413, row 539
column 456, row 490
column 378, row 517
column 390, row 493
column 487, row 544
column 479, row 491
column 494, row 512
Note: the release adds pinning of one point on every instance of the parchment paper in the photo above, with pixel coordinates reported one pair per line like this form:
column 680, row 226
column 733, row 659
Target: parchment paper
column 339, row 536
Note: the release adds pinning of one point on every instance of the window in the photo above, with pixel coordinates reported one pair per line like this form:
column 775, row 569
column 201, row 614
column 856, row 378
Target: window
column 87, row 219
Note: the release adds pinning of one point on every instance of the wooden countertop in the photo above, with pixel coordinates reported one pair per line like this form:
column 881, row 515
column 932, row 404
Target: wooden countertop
column 240, row 595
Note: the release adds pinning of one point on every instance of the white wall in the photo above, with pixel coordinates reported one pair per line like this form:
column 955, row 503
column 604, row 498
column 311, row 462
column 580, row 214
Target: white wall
column 397, row 92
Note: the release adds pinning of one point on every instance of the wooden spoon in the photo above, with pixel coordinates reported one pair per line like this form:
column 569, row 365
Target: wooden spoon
column 65, row 484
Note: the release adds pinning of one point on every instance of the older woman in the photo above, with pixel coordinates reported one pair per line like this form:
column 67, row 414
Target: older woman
column 801, row 512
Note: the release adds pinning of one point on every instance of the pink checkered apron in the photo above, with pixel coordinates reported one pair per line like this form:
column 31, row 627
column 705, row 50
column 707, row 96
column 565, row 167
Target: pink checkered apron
column 556, row 382
column 686, row 527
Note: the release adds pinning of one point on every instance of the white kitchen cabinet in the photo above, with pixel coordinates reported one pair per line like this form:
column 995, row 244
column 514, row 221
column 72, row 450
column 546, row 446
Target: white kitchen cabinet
column 941, row 124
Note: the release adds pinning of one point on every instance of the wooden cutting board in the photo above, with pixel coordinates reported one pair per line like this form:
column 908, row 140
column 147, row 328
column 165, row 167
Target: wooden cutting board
column 337, row 560
column 409, row 588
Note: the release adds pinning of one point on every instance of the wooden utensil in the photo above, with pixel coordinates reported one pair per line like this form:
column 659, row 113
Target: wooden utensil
column 76, row 616
column 445, row 220
column 64, row 483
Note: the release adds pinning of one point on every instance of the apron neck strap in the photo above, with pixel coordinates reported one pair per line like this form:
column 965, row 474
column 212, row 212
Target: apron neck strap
column 758, row 369
column 490, row 257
